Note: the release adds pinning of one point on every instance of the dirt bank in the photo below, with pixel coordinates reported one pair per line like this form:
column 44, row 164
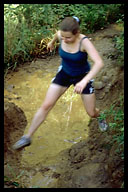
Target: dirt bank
column 14, row 125
column 92, row 162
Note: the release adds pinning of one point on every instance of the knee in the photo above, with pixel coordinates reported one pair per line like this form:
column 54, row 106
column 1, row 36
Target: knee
column 47, row 106
column 94, row 113
column 91, row 114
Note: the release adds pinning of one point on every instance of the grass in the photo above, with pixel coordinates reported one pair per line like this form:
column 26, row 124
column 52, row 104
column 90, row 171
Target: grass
column 115, row 119
column 14, row 180
column 26, row 24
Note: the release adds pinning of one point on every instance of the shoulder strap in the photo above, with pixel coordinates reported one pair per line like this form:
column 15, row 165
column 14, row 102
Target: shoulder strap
column 81, row 41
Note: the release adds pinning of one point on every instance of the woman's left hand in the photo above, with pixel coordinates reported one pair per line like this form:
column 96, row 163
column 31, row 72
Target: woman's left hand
column 80, row 86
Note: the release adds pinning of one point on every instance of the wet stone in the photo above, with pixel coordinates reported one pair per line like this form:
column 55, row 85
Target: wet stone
column 98, row 85
column 10, row 88
column 105, row 79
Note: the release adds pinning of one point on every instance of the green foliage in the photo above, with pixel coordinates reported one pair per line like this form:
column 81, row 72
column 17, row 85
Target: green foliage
column 20, row 34
column 25, row 25
column 92, row 16
column 119, row 44
column 14, row 182
column 102, row 116
column 115, row 116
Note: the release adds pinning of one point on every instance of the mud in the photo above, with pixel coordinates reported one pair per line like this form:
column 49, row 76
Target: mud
column 90, row 163
column 14, row 124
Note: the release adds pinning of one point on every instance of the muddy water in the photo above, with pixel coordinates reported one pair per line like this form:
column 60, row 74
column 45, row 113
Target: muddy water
column 66, row 124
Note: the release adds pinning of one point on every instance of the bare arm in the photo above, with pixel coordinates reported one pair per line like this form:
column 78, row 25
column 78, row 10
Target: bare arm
column 94, row 55
column 55, row 38
column 98, row 64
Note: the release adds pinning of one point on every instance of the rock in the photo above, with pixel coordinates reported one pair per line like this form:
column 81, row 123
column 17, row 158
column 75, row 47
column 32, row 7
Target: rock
column 102, row 95
column 33, row 62
column 106, row 167
column 105, row 79
column 98, row 85
column 10, row 87
column 107, row 88
column 73, row 152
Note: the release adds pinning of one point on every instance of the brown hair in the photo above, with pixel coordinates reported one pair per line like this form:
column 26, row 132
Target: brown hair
column 70, row 24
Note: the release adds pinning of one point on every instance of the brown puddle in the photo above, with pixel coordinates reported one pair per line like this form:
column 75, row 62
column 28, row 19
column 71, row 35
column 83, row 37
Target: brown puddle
column 66, row 124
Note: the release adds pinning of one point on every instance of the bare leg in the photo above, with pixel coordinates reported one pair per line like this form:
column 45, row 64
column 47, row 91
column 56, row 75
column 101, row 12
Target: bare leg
column 89, row 101
column 90, row 106
column 53, row 94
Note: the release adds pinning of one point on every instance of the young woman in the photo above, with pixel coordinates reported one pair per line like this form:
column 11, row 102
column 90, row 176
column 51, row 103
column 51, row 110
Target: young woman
column 74, row 69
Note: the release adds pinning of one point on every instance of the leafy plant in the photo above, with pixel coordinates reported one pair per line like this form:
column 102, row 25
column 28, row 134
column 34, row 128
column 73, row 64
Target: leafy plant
column 119, row 45
column 25, row 25
column 115, row 117
column 14, row 181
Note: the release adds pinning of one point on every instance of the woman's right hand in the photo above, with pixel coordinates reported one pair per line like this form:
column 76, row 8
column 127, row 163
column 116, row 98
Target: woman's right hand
column 50, row 46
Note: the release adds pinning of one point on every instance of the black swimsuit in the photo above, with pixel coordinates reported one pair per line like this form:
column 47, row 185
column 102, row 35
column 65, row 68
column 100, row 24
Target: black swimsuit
column 73, row 68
